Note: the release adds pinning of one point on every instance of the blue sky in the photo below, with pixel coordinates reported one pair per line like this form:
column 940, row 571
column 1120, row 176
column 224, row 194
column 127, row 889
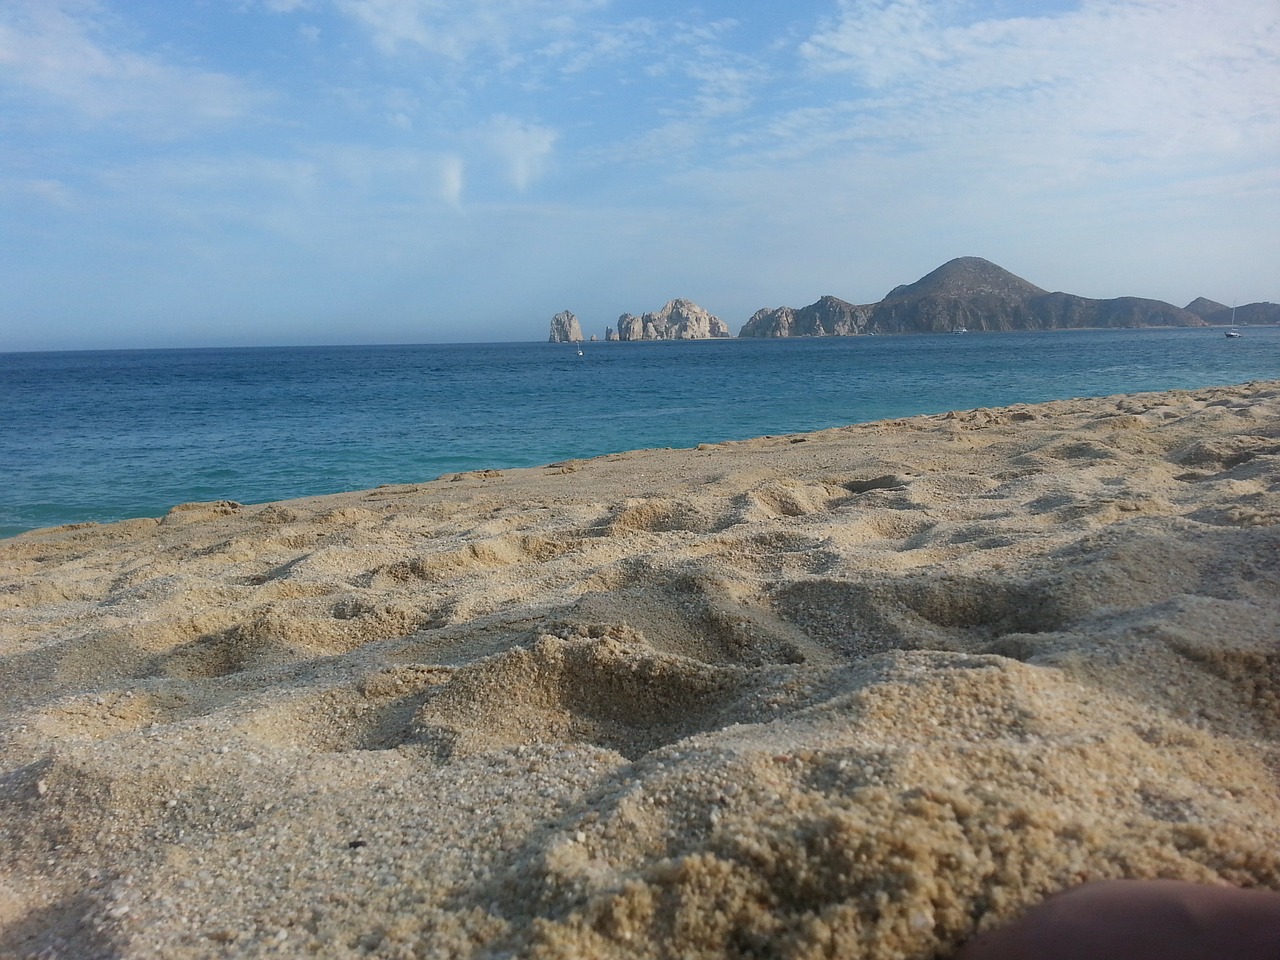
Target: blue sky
column 242, row 172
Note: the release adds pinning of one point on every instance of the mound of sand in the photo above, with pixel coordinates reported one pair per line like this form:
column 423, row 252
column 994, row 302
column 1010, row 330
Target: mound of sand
column 855, row 693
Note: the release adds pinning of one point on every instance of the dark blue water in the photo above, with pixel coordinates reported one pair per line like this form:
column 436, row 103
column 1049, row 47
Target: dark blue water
column 108, row 435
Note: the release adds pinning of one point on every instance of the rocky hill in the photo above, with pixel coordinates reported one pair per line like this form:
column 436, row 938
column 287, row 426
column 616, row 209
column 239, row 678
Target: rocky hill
column 967, row 293
column 1247, row 314
column 829, row 317
column 1064, row 311
column 565, row 328
column 1204, row 308
column 678, row 320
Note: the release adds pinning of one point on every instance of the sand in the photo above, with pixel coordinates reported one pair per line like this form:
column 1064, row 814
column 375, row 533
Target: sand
column 855, row 693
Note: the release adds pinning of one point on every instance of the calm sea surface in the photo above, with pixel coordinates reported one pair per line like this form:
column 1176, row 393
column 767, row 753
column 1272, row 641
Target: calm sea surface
column 114, row 434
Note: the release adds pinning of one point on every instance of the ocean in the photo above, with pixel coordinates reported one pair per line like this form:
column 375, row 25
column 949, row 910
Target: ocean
column 107, row 435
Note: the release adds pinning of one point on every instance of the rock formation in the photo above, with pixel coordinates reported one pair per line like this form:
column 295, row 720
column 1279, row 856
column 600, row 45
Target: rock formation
column 967, row 293
column 1204, row 308
column 565, row 328
column 1249, row 314
column 1063, row 310
column 678, row 320
column 630, row 327
column 828, row 317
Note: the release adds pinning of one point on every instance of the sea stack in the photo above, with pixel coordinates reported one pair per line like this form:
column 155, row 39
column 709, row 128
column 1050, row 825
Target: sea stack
column 565, row 328
column 679, row 319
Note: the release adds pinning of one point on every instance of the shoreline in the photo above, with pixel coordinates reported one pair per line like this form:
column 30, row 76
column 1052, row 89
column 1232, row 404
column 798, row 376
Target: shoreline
column 871, row 688
column 158, row 512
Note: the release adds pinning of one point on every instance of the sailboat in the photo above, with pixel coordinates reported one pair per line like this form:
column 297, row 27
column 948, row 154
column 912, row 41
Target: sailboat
column 1233, row 332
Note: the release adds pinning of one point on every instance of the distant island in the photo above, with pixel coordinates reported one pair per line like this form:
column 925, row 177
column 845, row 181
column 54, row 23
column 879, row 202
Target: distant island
column 678, row 320
column 964, row 294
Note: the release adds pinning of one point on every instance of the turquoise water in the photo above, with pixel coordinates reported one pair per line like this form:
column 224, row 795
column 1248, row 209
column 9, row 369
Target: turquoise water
column 115, row 434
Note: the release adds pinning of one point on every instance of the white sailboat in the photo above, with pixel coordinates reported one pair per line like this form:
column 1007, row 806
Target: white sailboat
column 1232, row 333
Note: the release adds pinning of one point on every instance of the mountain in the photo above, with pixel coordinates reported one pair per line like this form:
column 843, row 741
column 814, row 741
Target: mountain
column 968, row 293
column 1204, row 308
column 967, row 277
column 965, row 293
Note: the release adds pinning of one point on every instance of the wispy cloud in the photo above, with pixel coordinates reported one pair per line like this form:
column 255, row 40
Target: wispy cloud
column 62, row 50
column 1114, row 82
column 524, row 148
column 452, row 179
column 43, row 190
column 879, row 41
column 700, row 90
column 456, row 31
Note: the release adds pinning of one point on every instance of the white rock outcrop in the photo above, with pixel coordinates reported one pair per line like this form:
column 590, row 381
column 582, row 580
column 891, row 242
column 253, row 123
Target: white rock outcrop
column 678, row 320
column 565, row 328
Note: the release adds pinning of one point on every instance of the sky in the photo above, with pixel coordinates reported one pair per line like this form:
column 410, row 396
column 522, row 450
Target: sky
column 290, row 172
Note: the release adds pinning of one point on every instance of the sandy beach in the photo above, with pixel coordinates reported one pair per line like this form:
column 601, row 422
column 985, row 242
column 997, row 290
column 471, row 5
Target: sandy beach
column 855, row 693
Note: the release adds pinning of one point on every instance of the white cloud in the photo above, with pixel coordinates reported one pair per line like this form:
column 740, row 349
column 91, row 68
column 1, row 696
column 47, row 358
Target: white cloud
column 455, row 31
column 524, row 148
column 689, row 92
column 879, row 39
column 59, row 50
column 46, row 191
column 1115, row 86
column 614, row 42
column 452, row 180
column 324, row 197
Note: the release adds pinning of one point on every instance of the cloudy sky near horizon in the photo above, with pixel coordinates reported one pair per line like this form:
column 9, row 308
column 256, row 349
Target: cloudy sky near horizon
column 241, row 172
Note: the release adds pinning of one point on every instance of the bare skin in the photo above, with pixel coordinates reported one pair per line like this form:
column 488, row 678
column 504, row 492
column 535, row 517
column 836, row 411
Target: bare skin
column 1140, row 920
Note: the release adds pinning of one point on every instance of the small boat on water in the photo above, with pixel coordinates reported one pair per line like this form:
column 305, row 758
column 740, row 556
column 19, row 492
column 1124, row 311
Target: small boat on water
column 1232, row 333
